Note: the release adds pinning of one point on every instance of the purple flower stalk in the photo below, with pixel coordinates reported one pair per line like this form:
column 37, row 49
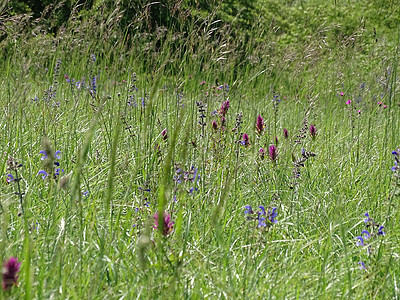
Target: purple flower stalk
column 273, row 153
column 313, row 131
column 272, row 214
column 214, row 125
column 43, row 173
column 224, row 108
column 167, row 224
column 259, row 125
column 246, row 140
column 285, row 133
column 10, row 270
column 164, row 134
column 262, row 153
column 360, row 241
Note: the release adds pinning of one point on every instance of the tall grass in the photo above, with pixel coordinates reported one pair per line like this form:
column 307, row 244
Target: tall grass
column 88, row 232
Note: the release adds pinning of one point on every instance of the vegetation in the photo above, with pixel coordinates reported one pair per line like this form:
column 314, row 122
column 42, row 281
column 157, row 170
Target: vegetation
column 198, row 149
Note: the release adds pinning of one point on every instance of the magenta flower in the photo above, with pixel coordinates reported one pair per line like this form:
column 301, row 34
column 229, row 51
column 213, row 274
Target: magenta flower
column 224, row 108
column 273, row 153
column 9, row 274
column 341, row 94
column 246, row 140
column 313, row 131
column 164, row 134
column 384, row 106
column 348, row 102
column 259, row 125
column 285, row 133
column 262, row 153
column 167, row 224
column 214, row 125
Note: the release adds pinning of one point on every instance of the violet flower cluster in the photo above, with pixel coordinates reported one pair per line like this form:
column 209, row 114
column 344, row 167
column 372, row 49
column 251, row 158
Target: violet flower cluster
column 263, row 217
column 57, row 170
column 373, row 231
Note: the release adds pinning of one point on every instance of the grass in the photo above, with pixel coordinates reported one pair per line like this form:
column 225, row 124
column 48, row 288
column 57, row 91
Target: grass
column 102, row 243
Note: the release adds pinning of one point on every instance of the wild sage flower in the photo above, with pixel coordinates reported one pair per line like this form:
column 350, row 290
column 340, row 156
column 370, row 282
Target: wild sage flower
column 259, row 125
column 380, row 231
column 43, row 173
column 360, row 241
column 166, row 223
column 44, row 155
column 9, row 178
column 362, row 265
column 9, row 273
column 273, row 153
column 272, row 214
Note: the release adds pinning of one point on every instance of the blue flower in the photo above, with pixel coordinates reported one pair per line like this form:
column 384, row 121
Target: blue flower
column 380, row 231
column 362, row 265
column 360, row 242
column 248, row 210
column 368, row 218
column 57, row 155
column 85, row 193
column 272, row 215
column 395, row 153
column 261, row 222
column 366, row 234
column 44, row 174
column 9, row 178
column 44, row 155
column 262, row 208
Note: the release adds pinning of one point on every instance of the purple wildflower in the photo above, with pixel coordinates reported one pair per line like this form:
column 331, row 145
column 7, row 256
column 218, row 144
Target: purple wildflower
column 273, row 153
column 9, row 274
column 272, row 214
column 285, row 133
column 9, row 178
column 262, row 153
column 164, row 134
column 224, row 108
column 44, row 155
column 245, row 141
column 259, row 125
column 57, row 154
column 360, row 241
column 362, row 265
column 366, row 234
column 368, row 218
column 214, row 125
column 313, row 131
column 43, row 173
column 248, row 210
column 167, row 224
column 380, row 231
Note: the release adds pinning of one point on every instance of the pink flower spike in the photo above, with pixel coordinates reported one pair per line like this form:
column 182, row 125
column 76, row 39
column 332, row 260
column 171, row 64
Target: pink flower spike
column 9, row 274
column 341, row 94
column 348, row 102
column 273, row 153
column 203, row 82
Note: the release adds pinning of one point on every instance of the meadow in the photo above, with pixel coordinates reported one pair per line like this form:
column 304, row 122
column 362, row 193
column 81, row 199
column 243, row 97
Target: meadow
column 178, row 168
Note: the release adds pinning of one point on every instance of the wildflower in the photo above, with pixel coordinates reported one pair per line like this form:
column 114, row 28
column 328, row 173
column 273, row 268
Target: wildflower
column 366, row 234
column 262, row 210
column 273, row 153
column 259, row 125
column 223, row 121
column 272, row 214
column 44, row 174
column 245, row 141
column 10, row 270
column 341, row 94
column 44, row 155
column 85, row 193
column 214, row 125
column 167, row 224
column 368, row 218
column 313, row 131
column 348, row 102
column 9, row 178
column 379, row 103
column 276, row 140
column 285, row 133
column 261, row 222
column 203, row 82
column 362, row 265
column 224, row 108
column 57, row 154
column 262, row 153
column 248, row 210
column 380, row 231
column 164, row 134
column 359, row 111
column 360, row 241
